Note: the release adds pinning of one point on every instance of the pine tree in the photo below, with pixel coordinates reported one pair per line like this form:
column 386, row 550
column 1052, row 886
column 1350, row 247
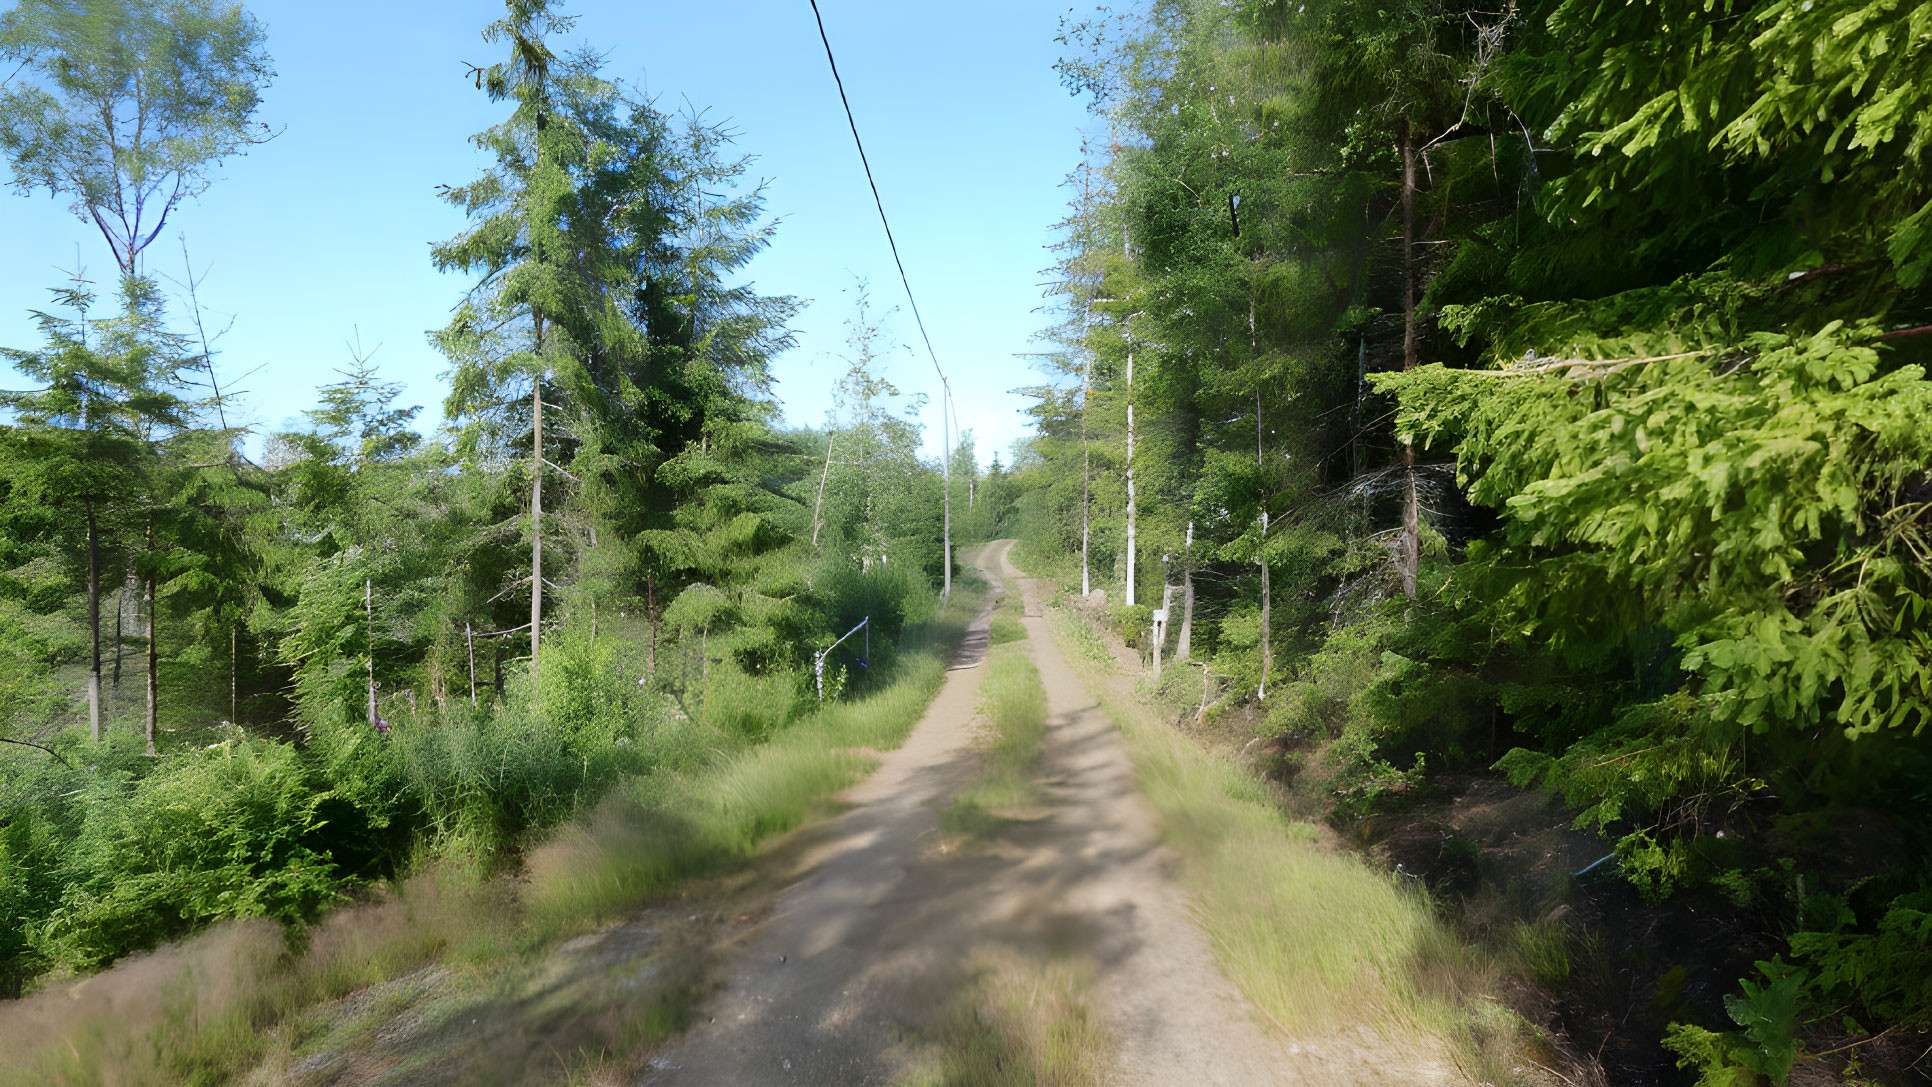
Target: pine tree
column 85, row 442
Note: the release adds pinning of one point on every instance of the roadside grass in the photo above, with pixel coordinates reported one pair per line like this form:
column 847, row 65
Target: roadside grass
column 1013, row 702
column 665, row 828
column 249, row 997
column 1318, row 940
column 1019, row 1024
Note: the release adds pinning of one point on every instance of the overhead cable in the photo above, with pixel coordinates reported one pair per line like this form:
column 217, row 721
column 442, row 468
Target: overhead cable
column 876, row 201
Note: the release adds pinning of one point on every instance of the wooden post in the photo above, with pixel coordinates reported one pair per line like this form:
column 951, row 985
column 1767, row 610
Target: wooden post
column 1157, row 636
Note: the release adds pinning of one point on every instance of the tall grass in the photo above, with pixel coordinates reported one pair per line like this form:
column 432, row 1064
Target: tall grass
column 1317, row 939
column 666, row 827
column 247, row 995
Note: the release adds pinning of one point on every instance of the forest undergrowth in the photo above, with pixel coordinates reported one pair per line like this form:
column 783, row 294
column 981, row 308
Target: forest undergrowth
column 246, row 995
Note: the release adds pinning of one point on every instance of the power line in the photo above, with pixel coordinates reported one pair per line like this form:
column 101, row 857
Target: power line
column 878, row 203
column 946, row 387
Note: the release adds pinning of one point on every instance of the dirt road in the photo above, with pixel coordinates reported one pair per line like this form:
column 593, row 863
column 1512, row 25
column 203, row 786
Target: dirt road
column 848, row 979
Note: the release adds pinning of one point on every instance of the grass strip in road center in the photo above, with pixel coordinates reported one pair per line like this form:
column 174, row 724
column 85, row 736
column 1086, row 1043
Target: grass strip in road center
column 1013, row 703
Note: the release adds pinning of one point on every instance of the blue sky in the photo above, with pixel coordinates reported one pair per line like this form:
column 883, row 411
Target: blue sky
column 324, row 233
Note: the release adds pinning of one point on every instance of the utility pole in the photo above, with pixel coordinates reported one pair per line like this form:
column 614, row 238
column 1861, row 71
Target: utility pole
column 946, row 465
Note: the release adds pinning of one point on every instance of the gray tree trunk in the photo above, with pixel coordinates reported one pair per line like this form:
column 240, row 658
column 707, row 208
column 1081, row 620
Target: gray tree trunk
column 536, row 513
column 1411, row 559
column 94, row 623
column 1184, row 648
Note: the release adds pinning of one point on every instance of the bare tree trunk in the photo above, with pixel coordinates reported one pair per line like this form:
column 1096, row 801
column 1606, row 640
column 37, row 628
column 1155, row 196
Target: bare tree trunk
column 94, row 622
column 1267, row 619
column 1411, row 560
column 1086, row 480
column 1355, row 414
column 536, row 512
column 120, row 617
column 1132, row 554
column 369, row 632
column 818, row 508
column 1261, row 551
column 154, row 656
column 1185, row 647
column 234, row 670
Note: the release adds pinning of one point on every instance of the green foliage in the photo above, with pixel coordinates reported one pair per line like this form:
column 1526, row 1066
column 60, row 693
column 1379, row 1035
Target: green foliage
column 1707, row 488
column 1888, row 971
column 1666, row 316
column 218, row 834
column 128, row 105
column 1768, row 1012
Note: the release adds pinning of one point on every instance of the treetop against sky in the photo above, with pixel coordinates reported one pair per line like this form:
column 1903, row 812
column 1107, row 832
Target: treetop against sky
column 321, row 236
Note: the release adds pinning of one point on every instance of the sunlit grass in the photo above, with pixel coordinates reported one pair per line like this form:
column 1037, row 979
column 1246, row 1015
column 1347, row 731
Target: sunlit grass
column 1317, row 939
column 1019, row 1024
column 666, row 828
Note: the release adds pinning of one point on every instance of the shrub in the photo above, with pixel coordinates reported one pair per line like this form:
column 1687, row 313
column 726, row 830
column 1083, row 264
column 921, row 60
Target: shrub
column 207, row 835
